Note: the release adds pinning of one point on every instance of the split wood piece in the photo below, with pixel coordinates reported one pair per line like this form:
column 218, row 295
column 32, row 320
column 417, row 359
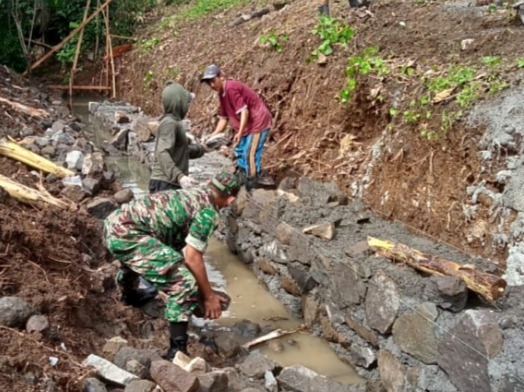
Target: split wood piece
column 109, row 47
column 56, row 48
column 489, row 286
column 77, row 54
column 38, row 113
column 29, row 195
column 325, row 230
column 277, row 333
column 18, row 153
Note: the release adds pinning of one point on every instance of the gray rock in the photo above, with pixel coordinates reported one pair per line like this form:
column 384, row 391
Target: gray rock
column 74, row 160
column 310, row 309
column 252, row 390
column 14, row 312
column 255, row 365
column 58, row 126
column 111, row 150
column 365, row 333
column 76, row 126
column 91, row 185
column 382, row 303
column 227, row 344
column 414, row 333
column 93, row 164
column 246, row 329
column 463, row 352
column 121, row 140
column 41, row 141
column 284, row 232
column 429, row 378
column 302, row 278
column 140, row 386
column 357, row 249
column 216, row 381
column 236, row 382
column 448, row 292
column 94, row 385
column 392, row 372
column 37, row 323
column 298, row 378
column 48, row 151
column 123, row 196
column 113, row 346
column 346, row 283
column 136, row 368
column 127, row 354
column 173, row 378
column 73, row 193
column 299, row 249
column 101, row 207
column 362, row 356
column 109, row 371
column 62, row 137
column 217, row 141
column 270, row 382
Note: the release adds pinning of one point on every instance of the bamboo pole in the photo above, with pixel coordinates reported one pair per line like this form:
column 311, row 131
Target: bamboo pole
column 489, row 286
column 38, row 113
column 68, row 38
column 77, row 54
column 17, row 152
column 110, row 53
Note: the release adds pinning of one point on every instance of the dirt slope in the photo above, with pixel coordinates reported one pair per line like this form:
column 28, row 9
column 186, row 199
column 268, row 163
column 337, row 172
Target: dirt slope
column 379, row 145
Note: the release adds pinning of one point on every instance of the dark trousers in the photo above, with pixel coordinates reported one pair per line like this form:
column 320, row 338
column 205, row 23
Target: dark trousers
column 159, row 186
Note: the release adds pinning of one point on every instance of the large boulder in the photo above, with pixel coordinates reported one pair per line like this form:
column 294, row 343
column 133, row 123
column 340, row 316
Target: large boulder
column 382, row 303
column 101, row 207
column 256, row 365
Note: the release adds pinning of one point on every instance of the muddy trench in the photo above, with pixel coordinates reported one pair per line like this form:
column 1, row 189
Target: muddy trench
column 252, row 302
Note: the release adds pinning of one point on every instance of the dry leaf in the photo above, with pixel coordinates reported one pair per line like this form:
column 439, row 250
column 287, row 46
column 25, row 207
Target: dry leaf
column 441, row 96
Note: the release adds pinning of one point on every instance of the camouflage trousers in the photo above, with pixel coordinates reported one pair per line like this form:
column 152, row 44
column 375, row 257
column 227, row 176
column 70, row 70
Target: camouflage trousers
column 159, row 264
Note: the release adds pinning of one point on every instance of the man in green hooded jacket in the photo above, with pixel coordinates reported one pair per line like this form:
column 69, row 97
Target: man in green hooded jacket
column 170, row 169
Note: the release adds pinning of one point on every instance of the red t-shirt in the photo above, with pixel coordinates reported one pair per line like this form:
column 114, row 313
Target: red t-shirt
column 235, row 98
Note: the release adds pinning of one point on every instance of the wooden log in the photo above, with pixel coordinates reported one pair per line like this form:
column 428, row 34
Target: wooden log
column 38, row 113
column 29, row 195
column 56, row 48
column 489, row 286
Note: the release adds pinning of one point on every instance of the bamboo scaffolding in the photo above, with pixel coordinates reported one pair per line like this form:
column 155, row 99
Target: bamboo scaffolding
column 17, row 152
column 68, row 38
column 109, row 49
column 489, row 286
column 77, row 54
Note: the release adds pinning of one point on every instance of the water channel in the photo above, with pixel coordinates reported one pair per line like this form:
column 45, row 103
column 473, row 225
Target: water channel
column 250, row 300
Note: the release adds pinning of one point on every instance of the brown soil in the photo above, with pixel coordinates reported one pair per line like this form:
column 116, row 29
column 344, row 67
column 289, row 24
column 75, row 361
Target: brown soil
column 315, row 135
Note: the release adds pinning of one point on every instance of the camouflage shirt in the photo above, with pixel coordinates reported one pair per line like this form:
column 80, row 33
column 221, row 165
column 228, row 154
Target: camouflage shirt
column 176, row 218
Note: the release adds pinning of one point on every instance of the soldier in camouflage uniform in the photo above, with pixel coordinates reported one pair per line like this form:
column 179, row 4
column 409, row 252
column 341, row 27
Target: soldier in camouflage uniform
column 147, row 237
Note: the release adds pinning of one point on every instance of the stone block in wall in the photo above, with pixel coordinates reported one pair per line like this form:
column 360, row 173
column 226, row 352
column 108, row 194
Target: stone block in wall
column 274, row 251
column 331, row 333
column 302, row 278
column 382, row 303
column 266, row 266
column 259, row 200
column 346, row 284
column 310, row 309
column 283, row 233
column 320, row 269
column 392, row 372
column 448, row 292
column 415, row 333
column 320, row 194
column 465, row 349
column 289, row 285
column 300, row 249
column 365, row 333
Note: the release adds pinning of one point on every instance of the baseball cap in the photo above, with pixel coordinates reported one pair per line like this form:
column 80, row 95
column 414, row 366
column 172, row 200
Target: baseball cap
column 227, row 183
column 211, row 72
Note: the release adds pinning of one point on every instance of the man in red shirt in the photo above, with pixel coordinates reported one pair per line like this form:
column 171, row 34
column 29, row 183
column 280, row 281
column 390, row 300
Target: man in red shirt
column 249, row 116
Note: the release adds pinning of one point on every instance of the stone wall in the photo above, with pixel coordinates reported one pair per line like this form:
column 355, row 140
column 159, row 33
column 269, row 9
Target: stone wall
column 400, row 329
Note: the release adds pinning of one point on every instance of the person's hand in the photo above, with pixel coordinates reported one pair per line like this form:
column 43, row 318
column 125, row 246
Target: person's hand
column 213, row 308
column 237, row 138
column 187, row 182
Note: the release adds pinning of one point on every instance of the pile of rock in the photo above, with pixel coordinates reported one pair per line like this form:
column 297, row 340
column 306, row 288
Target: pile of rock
column 401, row 330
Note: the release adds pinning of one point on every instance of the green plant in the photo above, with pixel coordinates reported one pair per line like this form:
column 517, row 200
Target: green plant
column 362, row 64
column 148, row 45
column 173, row 71
column 150, row 75
column 274, row 40
column 331, row 31
column 520, row 63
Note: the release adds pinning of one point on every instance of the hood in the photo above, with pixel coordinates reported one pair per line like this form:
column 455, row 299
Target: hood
column 176, row 99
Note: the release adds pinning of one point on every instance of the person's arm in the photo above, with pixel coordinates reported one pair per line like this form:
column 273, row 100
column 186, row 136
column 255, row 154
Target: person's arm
column 221, row 126
column 166, row 141
column 244, row 117
column 196, row 150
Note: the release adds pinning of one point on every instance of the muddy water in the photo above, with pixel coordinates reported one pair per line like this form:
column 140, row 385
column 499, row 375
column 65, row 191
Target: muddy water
column 250, row 300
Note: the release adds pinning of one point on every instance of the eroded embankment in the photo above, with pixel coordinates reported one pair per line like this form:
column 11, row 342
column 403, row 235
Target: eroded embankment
column 413, row 332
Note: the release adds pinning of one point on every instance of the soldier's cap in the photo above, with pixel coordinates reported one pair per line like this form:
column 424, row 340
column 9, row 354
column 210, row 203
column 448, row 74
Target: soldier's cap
column 210, row 73
column 227, row 183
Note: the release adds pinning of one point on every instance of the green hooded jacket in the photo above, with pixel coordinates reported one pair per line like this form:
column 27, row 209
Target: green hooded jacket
column 172, row 151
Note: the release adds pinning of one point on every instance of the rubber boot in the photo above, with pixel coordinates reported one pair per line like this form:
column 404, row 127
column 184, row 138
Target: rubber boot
column 136, row 291
column 324, row 9
column 251, row 183
column 354, row 4
column 241, row 174
column 177, row 339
